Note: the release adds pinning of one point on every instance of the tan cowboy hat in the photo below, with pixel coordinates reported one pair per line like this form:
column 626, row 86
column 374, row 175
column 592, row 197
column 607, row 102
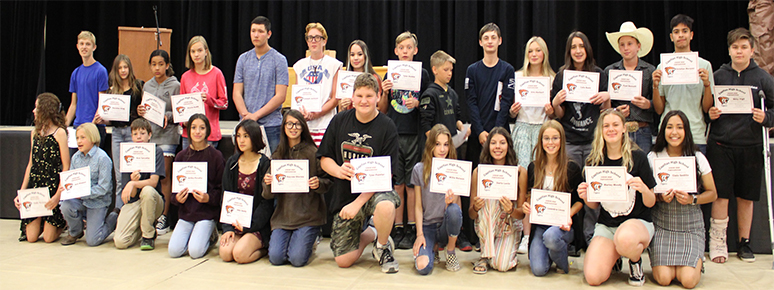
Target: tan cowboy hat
column 643, row 35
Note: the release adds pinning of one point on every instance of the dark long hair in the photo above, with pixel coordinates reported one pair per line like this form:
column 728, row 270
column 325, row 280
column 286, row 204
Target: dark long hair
column 114, row 78
column 202, row 117
column 589, row 63
column 689, row 148
column 165, row 56
column 510, row 157
column 368, row 67
column 254, row 131
column 284, row 145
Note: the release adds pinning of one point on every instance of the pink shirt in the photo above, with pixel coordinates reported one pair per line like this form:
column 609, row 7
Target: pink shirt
column 214, row 84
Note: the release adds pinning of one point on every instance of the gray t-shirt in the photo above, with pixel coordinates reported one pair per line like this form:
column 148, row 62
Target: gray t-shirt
column 433, row 204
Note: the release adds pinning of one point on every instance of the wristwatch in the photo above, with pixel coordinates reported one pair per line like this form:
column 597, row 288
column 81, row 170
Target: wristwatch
column 695, row 199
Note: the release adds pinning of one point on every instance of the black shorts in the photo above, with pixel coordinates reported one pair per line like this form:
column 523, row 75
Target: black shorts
column 737, row 171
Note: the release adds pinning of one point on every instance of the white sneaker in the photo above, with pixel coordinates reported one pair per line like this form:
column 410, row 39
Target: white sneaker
column 523, row 245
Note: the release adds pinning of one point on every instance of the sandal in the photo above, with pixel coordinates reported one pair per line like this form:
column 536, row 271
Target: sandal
column 718, row 248
column 480, row 266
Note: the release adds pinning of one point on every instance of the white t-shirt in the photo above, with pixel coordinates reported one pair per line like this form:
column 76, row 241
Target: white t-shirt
column 320, row 71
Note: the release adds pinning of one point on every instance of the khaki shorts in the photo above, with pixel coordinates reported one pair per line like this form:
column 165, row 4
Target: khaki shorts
column 345, row 234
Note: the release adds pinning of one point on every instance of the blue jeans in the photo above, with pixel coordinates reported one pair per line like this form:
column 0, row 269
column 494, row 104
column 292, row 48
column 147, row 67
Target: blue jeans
column 439, row 233
column 119, row 136
column 99, row 227
column 549, row 244
column 294, row 246
column 187, row 142
column 273, row 135
column 643, row 138
column 191, row 237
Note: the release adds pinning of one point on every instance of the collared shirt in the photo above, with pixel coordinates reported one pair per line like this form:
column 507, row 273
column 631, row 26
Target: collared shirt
column 635, row 113
column 260, row 76
column 100, row 168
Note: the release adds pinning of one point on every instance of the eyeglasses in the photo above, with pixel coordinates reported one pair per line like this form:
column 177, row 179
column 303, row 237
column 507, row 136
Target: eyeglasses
column 291, row 125
column 314, row 38
column 552, row 139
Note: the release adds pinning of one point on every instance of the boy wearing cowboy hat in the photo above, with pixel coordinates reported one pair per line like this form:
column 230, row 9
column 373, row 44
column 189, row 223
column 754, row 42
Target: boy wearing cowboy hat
column 632, row 43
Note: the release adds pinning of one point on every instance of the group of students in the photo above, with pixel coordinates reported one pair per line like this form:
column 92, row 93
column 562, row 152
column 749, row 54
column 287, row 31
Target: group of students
column 550, row 145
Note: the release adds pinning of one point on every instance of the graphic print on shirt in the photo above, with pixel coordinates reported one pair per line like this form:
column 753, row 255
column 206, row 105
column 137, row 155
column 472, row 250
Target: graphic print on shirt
column 355, row 148
column 200, row 88
column 314, row 74
column 621, row 208
column 398, row 100
column 577, row 119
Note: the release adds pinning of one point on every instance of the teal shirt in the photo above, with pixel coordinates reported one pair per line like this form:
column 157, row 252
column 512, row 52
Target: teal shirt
column 100, row 168
column 687, row 98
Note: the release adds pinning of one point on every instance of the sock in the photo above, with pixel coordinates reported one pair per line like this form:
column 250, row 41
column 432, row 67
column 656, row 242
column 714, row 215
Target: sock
column 397, row 225
column 378, row 244
column 450, row 252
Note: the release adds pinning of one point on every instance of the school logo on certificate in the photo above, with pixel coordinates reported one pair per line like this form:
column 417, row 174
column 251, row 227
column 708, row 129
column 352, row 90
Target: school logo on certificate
column 616, row 87
column 360, row 177
column 280, row 178
column 523, row 93
column 27, row 204
column 487, row 183
column 669, row 70
column 180, row 179
column 395, row 76
column 596, row 186
column 68, row 186
column 129, row 159
column 663, row 177
column 571, row 87
column 440, row 177
column 539, row 208
column 180, row 109
column 229, row 209
column 105, row 108
column 345, row 86
column 723, row 100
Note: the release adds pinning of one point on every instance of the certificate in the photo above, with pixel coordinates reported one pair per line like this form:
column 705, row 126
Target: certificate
column 679, row 68
column 606, row 183
column 114, row 107
column 675, row 173
column 551, row 208
column 154, row 108
column 137, row 156
column 496, row 181
column 33, row 202
column 346, row 84
column 236, row 207
column 308, row 97
column 405, row 75
column 372, row 174
column 76, row 183
column 290, row 176
column 450, row 174
column 734, row 99
column 191, row 175
column 71, row 141
column 580, row 85
column 185, row 106
column 624, row 85
column 533, row 91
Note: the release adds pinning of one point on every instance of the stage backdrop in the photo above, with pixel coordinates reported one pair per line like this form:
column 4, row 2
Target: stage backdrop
column 37, row 39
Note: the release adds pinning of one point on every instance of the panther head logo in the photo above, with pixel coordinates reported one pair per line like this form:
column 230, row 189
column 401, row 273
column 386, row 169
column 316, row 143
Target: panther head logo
column 360, row 176
column 539, row 208
column 616, row 87
column 571, row 87
column 299, row 99
column 669, row 70
column 27, row 204
column 663, row 176
column 180, row 178
column 723, row 100
column 229, row 209
column 180, row 109
column 523, row 93
column 440, row 177
column 345, row 86
column 147, row 106
column 595, row 185
column 487, row 183
column 68, row 186
column 105, row 108
column 280, row 177
column 128, row 159
column 395, row 76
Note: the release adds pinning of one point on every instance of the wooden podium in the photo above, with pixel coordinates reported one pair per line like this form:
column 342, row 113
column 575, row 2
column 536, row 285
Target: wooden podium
column 138, row 43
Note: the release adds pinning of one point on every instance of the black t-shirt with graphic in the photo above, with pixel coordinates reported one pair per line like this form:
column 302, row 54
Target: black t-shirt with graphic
column 347, row 138
column 407, row 120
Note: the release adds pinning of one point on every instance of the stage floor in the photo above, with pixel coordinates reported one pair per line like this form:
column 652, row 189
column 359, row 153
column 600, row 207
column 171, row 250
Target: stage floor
column 53, row 266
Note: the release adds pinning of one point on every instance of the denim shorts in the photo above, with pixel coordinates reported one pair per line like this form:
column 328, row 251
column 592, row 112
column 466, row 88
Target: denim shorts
column 609, row 232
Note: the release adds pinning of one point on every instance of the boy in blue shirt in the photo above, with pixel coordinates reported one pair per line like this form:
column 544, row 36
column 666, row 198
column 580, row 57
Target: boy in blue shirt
column 86, row 82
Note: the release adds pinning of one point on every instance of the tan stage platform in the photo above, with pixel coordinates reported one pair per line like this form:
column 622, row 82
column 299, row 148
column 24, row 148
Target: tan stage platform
column 53, row 266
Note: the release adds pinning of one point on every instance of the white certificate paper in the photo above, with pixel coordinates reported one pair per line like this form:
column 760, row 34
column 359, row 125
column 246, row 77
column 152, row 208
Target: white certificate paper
column 679, row 68
column 606, row 183
column 114, row 107
column 308, row 97
column 76, row 183
column 236, row 207
column 154, row 108
column 496, row 181
column 33, row 202
column 185, row 106
column 580, row 85
column 734, row 99
column 450, row 174
column 191, row 175
column 346, row 84
column 290, row 176
column 71, row 141
column 372, row 174
column 624, row 85
column 405, row 75
column 460, row 138
column 551, row 208
column 533, row 91
column 137, row 156
column 675, row 173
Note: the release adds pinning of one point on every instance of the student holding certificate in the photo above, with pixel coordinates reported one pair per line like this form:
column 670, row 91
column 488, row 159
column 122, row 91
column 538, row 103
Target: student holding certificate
column 94, row 207
column 298, row 219
column 734, row 146
column 624, row 228
column 497, row 220
column 198, row 211
column 440, row 214
column 243, row 172
column 530, row 119
column 677, row 249
column 552, row 170
column 358, row 60
column 49, row 155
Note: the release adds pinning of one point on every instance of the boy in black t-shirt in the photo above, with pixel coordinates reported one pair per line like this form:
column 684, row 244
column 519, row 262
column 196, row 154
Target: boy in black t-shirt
column 362, row 132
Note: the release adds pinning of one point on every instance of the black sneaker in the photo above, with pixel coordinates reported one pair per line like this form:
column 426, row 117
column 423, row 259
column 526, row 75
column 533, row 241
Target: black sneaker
column 463, row 243
column 618, row 265
column 409, row 236
column 744, row 252
column 147, row 244
column 636, row 276
column 397, row 234
column 477, row 246
column 162, row 225
column 572, row 251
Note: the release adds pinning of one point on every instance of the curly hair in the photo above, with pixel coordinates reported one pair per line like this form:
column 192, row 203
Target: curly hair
column 48, row 111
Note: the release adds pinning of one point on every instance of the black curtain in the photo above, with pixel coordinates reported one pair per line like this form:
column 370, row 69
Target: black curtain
column 29, row 67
